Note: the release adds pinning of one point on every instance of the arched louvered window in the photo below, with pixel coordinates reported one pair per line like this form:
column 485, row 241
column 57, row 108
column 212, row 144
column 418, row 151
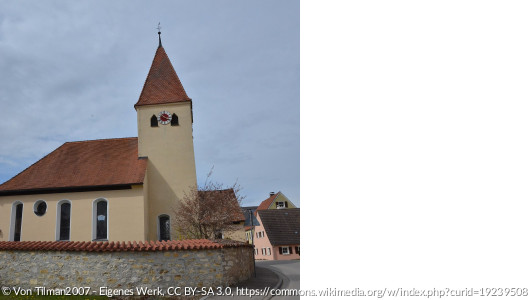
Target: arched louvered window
column 174, row 120
column 154, row 121
column 163, row 228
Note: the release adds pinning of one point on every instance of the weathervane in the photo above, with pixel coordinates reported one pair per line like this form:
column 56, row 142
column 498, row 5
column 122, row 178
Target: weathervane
column 159, row 33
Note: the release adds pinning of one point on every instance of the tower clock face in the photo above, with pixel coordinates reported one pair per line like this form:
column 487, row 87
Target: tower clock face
column 164, row 117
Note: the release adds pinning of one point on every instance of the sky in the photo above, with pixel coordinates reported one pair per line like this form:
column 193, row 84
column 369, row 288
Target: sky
column 72, row 71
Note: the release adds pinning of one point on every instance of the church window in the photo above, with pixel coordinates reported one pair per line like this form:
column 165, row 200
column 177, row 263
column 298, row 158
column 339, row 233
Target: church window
column 174, row 120
column 154, row 121
column 100, row 220
column 40, row 208
column 163, row 228
column 64, row 209
column 16, row 222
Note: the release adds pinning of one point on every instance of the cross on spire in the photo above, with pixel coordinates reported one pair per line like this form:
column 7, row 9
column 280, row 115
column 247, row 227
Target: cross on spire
column 159, row 33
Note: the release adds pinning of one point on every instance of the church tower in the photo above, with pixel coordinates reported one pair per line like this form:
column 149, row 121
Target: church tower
column 164, row 113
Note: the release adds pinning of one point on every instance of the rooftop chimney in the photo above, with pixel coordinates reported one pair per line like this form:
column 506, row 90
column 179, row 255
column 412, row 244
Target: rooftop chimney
column 271, row 194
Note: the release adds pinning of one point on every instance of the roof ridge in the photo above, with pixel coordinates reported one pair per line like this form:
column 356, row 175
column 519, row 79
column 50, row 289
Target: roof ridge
column 265, row 204
column 107, row 139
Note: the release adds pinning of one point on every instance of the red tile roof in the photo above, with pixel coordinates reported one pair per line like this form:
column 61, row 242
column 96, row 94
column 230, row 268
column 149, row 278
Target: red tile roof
column 227, row 196
column 281, row 225
column 83, row 164
column 162, row 84
column 119, row 246
column 266, row 203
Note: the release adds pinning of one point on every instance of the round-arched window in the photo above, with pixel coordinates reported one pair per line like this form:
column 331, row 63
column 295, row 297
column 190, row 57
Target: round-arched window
column 40, row 208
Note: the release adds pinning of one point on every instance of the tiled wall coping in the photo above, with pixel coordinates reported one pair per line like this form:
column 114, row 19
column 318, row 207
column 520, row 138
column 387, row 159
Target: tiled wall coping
column 199, row 244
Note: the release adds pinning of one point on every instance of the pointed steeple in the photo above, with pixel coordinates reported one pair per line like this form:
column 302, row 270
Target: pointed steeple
column 162, row 84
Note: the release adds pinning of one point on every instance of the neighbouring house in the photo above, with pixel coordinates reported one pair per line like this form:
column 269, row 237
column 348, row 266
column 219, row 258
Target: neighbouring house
column 250, row 221
column 236, row 229
column 120, row 189
column 276, row 201
column 278, row 235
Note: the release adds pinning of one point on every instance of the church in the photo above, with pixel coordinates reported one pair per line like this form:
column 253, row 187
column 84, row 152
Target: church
column 122, row 189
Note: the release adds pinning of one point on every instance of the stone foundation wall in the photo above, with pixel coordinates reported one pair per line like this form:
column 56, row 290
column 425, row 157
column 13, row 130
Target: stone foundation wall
column 125, row 270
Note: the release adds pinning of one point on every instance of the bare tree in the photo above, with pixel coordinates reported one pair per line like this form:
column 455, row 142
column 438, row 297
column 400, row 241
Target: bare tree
column 209, row 211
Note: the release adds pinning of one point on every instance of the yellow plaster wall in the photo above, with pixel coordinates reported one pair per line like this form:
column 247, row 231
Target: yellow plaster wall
column 125, row 213
column 238, row 234
column 171, row 160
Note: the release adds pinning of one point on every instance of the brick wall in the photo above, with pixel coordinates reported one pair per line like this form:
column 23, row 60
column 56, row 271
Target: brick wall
column 215, row 267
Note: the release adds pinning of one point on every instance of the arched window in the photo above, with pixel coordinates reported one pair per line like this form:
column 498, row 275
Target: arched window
column 163, row 228
column 174, row 120
column 15, row 231
column 100, row 220
column 154, row 121
column 64, row 210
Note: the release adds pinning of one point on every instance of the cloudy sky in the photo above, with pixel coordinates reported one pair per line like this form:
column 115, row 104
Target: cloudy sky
column 73, row 70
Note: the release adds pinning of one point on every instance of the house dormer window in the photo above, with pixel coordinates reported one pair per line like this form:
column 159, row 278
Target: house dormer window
column 280, row 204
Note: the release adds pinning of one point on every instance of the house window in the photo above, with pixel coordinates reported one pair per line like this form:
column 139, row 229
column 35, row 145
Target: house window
column 100, row 220
column 218, row 235
column 154, row 121
column 40, row 208
column 297, row 249
column 280, row 204
column 268, row 251
column 163, row 228
column 284, row 250
column 174, row 120
column 16, row 221
column 63, row 220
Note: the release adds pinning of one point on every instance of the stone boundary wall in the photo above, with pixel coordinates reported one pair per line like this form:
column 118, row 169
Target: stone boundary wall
column 155, row 268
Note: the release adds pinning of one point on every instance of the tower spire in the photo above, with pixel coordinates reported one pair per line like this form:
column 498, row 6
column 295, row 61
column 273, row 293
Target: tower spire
column 162, row 85
column 159, row 33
